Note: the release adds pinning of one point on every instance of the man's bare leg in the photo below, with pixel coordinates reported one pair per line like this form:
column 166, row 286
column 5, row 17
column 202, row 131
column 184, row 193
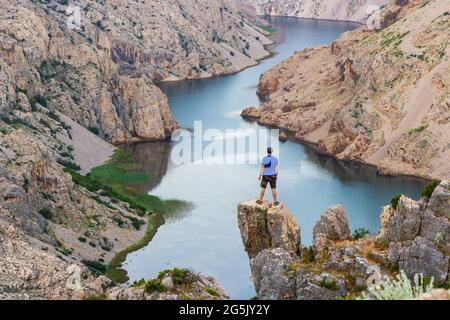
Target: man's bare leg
column 261, row 194
column 274, row 195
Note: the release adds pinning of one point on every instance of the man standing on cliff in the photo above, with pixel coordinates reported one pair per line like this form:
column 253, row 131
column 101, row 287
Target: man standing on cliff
column 269, row 175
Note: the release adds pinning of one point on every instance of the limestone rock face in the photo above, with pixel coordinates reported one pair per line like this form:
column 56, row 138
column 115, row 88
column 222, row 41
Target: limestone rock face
column 264, row 227
column 103, row 74
column 270, row 275
column 423, row 257
column 316, row 9
column 333, row 224
column 361, row 98
column 419, row 235
column 439, row 203
column 406, row 222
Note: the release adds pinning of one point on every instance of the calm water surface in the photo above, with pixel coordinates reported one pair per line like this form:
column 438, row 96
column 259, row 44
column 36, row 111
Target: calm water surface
column 207, row 238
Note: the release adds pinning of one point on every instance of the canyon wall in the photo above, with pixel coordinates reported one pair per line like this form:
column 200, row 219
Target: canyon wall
column 380, row 97
column 349, row 10
column 102, row 72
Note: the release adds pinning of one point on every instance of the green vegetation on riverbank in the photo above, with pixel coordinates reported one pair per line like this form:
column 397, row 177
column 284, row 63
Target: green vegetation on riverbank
column 117, row 179
column 268, row 29
column 114, row 269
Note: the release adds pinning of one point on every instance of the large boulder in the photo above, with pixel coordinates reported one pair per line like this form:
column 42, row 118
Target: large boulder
column 404, row 224
column 265, row 226
column 271, row 276
column 439, row 203
column 437, row 230
column 422, row 257
column 332, row 225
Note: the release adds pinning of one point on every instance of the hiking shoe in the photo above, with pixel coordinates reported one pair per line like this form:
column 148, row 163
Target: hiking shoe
column 276, row 203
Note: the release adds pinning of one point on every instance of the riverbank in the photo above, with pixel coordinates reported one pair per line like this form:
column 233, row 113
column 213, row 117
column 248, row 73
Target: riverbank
column 118, row 179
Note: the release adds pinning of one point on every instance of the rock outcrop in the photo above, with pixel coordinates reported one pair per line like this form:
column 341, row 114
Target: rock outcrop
column 379, row 97
column 419, row 235
column 332, row 225
column 266, row 226
column 272, row 238
column 315, row 9
column 176, row 284
column 414, row 238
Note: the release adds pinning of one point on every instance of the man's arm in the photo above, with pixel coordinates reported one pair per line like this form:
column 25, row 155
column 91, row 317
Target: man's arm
column 261, row 172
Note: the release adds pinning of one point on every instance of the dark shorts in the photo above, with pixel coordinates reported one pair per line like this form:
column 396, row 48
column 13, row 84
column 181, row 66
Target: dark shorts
column 272, row 180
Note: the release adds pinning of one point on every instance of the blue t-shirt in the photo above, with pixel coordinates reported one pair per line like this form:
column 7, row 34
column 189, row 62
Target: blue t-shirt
column 270, row 164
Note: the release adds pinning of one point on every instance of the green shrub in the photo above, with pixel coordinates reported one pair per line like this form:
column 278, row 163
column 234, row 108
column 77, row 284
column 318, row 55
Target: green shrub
column 46, row 213
column 308, row 254
column 212, row 292
column 428, row 190
column 395, row 200
column 95, row 266
column 94, row 130
column 54, row 116
column 179, row 276
column 137, row 283
column 82, row 239
column 399, row 288
column 360, row 233
column 136, row 223
column 69, row 164
column 328, row 284
column 38, row 99
column 154, row 285
column 119, row 221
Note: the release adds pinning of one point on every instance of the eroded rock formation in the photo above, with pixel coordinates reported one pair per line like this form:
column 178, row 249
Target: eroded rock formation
column 414, row 238
column 265, row 226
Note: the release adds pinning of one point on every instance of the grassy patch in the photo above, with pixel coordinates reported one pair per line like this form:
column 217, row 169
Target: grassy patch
column 116, row 179
column 268, row 29
column 114, row 270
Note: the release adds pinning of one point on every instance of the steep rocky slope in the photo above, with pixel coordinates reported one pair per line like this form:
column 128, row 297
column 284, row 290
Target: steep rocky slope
column 102, row 75
column 414, row 238
column 355, row 10
column 380, row 97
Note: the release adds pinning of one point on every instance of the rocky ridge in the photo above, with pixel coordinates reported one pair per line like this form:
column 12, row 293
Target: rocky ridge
column 378, row 97
column 315, row 9
column 414, row 238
